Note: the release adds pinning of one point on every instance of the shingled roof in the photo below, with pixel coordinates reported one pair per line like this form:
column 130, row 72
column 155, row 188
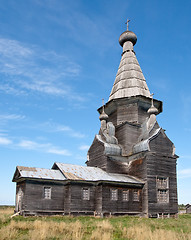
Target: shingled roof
column 129, row 80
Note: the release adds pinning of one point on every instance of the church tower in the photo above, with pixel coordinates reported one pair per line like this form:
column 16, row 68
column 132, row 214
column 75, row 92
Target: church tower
column 130, row 140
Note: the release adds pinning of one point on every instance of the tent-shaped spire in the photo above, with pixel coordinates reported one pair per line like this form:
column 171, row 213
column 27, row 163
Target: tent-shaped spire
column 129, row 80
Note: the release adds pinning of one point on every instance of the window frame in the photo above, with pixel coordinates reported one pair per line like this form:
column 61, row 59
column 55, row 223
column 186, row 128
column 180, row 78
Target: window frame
column 125, row 195
column 85, row 193
column 163, row 196
column 114, row 194
column 162, row 182
column 136, row 198
column 47, row 195
column 162, row 189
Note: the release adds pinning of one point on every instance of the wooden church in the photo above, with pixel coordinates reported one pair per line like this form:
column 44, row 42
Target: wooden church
column 131, row 164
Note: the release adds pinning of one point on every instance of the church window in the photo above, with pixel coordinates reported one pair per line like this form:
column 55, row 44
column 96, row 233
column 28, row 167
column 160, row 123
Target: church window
column 125, row 195
column 162, row 184
column 162, row 196
column 47, row 192
column 114, row 194
column 136, row 195
column 86, row 194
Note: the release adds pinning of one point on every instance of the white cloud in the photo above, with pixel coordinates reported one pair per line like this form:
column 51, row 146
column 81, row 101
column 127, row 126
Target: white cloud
column 33, row 69
column 76, row 134
column 62, row 128
column 11, row 117
column 186, row 156
column 29, row 144
column 59, row 151
column 84, row 147
column 10, row 48
column 184, row 173
column 71, row 132
column 45, row 147
column 5, row 141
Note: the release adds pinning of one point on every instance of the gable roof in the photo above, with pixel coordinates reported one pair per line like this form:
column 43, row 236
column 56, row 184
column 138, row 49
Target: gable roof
column 76, row 172
column 63, row 172
column 37, row 173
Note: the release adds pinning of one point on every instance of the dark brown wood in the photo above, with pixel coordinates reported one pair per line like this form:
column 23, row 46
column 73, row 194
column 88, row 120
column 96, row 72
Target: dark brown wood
column 127, row 135
column 33, row 200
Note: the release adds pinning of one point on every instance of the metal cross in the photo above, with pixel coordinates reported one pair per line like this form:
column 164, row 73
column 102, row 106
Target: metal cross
column 152, row 99
column 102, row 101
column 127, row 23
column 103, row 105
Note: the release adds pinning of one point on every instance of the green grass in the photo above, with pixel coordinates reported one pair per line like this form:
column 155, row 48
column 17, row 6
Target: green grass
column 90, row 228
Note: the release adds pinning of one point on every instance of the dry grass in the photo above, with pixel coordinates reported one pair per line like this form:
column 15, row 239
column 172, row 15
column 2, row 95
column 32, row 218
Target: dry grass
column 143, row 232
column 103, row 231
column 5, row 213
column 6, row 210
column 89, row 228
column 48, row 230
column 42, row 230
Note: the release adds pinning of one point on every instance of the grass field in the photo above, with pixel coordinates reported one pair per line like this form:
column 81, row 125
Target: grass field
column 90, row 228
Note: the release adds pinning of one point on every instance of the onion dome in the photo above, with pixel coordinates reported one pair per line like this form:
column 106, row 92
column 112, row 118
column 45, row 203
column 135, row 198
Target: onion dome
column 152, row 109
column 103, row 115
column 127, row 36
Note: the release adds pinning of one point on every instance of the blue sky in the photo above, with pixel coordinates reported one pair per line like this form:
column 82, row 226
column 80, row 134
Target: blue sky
column 59, row 58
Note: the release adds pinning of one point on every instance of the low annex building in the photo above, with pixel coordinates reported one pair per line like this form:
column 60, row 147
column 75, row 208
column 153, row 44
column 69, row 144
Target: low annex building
column 131, row 164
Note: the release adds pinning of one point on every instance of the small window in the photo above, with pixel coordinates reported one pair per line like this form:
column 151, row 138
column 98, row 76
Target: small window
column 162, row 196
column 136, row 196
column 47, row 192
column 162, row 182
column 86, row 194
column 125, row 195
column 114, row 194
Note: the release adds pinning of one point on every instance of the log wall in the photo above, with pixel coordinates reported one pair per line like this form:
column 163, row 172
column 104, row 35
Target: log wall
column 127, row 135
column 161, row 166
column 96, row 155
column 120, row 206
column 34, row 196
column 77, row 204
